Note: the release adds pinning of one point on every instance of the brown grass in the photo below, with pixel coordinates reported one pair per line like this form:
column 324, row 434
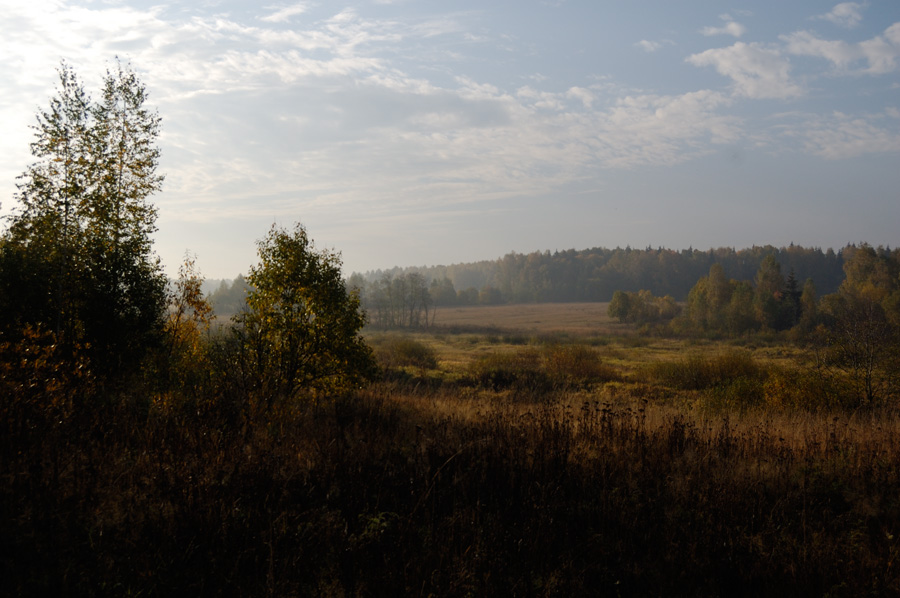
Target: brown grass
column 601, row 465
column 396, row 492
column 575, row 318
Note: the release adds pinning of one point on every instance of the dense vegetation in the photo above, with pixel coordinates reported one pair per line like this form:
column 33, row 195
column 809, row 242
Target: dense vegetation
column 748, row 443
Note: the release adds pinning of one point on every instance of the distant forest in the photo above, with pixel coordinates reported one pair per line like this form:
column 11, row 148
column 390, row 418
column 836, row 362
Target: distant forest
column 596, row 274
column 588, row 275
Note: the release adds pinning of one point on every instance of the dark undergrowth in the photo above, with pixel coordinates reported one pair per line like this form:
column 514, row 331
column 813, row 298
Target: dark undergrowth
column 384, row 494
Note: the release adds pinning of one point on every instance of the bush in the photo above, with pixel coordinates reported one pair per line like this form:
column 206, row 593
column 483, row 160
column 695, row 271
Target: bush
column 553, row 366
column 403, row 352
column 576, row 364
column 801, row 389
column 41, row 379
column 519, row 371
column 699, row 373
column 738, row 394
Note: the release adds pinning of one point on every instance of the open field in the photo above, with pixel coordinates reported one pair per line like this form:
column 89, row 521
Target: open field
column 573, row 318
column 463, row 335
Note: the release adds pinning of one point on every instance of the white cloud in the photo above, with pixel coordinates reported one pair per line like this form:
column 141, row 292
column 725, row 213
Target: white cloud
column 757, row 71
column 293, row 111
column 804, row 43
column 649, row 46
column 841, row 136
column 845, row 14
column 732, row 28
column 880, row 53
column 651, row 129
column 544, row 100
column 285, row 14
column 581, row 94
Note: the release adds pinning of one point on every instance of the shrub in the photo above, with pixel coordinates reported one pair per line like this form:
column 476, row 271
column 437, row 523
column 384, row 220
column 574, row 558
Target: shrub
column 401, row 352
column 519, row 371
column 738, row 394
column 699, row 373
column 44, row 382
column 575, row 364
column 801, row 389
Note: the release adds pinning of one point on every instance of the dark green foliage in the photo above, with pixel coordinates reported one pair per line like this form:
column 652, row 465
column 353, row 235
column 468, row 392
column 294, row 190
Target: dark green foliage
column 620, row 306
column 77, row 256
column 860, row 341
column 791, row 304
column 768, row 297
column 443, row 292
column 717, row 305
column 26, row 287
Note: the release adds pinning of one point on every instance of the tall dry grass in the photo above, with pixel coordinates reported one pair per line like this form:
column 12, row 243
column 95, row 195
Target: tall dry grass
column 454, row 492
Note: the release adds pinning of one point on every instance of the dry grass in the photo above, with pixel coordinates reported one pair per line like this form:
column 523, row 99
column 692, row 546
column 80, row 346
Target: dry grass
column 580, row 319
column 598, row 479
column 396, row 491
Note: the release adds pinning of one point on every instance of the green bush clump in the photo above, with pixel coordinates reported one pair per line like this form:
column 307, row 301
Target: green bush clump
column 737, row 394
column 791, row 389
column 519, row 371
column 698, row 372
column 406, row 352
column 576, row 364
column 550, row 367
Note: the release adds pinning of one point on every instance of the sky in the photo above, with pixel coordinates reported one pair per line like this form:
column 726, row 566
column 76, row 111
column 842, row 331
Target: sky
column 426, row 132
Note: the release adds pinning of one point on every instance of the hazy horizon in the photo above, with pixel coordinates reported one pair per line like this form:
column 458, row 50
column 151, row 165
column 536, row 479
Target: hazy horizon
column 402, row 133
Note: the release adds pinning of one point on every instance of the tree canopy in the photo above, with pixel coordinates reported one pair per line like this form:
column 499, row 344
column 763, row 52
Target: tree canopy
column 77, row 256
column 300, row 331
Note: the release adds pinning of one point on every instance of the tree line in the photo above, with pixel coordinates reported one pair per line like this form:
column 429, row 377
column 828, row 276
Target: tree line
column 596, row 274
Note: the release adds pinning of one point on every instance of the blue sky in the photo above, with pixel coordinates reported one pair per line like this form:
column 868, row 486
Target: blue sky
column 410, row 132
